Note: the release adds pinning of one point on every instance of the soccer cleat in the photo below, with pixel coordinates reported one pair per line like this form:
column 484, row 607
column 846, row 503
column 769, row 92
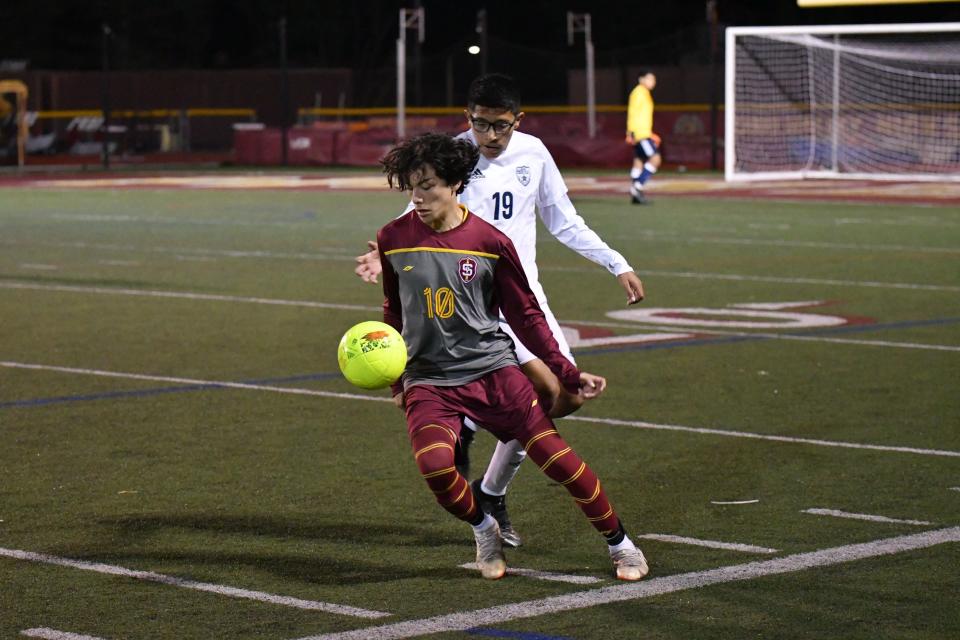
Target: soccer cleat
column 461, row 452
column 629, row 564
column 490, row 559
column 637, row 196
column 497, row 507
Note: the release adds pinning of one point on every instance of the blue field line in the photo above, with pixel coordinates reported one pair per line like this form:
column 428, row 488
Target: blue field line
column 135, row 393
column 517, row 635
column 697, row 342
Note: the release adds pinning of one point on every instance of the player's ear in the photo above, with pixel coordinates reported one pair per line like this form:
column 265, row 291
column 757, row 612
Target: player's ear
column 519, row 118
column 466, row 114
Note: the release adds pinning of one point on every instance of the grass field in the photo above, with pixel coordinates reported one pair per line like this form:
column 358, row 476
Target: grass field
column 181, row 459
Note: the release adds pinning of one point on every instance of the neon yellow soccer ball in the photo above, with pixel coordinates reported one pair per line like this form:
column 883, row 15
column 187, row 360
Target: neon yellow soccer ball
column 372, row 355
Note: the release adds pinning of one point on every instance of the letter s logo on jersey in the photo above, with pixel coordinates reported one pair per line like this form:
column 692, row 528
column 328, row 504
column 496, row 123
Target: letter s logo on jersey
column 467, row 268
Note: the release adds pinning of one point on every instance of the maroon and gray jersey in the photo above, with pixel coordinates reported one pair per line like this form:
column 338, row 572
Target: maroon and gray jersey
column 444, row 292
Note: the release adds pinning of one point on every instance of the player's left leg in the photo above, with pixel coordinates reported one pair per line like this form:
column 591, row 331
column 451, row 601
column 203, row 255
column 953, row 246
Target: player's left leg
column 562, row 464
column 505, row 463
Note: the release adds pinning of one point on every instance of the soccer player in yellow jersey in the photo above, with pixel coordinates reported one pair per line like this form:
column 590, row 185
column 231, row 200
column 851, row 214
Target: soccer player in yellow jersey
column 646, row 144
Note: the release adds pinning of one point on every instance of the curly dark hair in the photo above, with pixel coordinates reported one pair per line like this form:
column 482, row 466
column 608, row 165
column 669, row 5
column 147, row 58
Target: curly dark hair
column 496, row 91
column 452, row 160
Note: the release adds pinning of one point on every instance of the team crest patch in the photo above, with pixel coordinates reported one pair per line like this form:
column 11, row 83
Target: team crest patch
column 523, row 175
column 467, row 268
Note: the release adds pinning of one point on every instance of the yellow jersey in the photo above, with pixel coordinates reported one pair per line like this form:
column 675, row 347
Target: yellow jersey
column 640, row 113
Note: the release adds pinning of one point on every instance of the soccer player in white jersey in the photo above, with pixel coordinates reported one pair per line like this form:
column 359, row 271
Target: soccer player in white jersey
column 515, row 179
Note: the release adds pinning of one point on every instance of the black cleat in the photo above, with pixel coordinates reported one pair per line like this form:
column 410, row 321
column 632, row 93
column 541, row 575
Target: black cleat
column 496, row 506
column 461, row 452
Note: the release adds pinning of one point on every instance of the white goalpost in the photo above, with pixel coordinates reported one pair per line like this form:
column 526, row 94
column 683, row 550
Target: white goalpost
column 877, row 102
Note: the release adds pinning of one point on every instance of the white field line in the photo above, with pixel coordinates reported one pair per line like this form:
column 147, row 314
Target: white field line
column 53, row 634
column 954, row 488
column 736, row 277
column 149, row 293
column 636, row 424
column 348, row 307
column 856, row 246
column 193, row 381
column 36, row 266
column 328, row 253
column 494, row 616
column 757, row 334
column 712, row 544
column 541, row 575
column 232, row 592
column 863, row 516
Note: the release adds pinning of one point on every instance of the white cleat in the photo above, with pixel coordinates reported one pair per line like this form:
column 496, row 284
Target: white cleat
column 490, row 558
column 629, row 564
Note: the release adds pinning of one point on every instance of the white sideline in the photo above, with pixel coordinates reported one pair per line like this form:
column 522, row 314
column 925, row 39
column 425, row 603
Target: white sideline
column 713, row 544
column 53, row 634
column 152, row 293
column 863, row 516
column 541, row 575
column 645, row 588
column 223, row 590
column 193, row 381
column 736, row 277
column 637, row 424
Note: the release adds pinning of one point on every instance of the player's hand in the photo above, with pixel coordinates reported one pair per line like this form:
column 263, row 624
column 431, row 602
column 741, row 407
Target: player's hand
column 368, row 265
column 633, row 286
column 400, row 401
column 591, row 385
column 630, row 139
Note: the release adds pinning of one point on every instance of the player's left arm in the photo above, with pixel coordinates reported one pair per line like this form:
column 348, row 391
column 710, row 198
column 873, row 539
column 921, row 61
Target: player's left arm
column 519, row 306
column 562, row 220
column 567, row 226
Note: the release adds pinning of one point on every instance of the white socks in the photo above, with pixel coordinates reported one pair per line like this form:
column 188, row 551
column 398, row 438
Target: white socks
column 626, row 544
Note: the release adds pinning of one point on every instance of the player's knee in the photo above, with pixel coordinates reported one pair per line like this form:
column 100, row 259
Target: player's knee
column 433, row 451
column 565, row 404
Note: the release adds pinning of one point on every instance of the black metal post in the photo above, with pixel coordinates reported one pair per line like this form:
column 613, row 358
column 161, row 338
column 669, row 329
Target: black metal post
column 284, row 91
column 713, row 24
column 482, row 30
column 105, row 94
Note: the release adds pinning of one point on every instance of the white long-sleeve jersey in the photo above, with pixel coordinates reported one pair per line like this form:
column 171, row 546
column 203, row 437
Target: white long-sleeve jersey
column 524, row 180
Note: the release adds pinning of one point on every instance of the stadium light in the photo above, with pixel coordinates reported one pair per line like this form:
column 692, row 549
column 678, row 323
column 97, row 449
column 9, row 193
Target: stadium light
column 473, row 49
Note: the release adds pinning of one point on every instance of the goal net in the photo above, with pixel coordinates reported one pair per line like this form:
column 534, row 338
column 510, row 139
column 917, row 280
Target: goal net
column 877, row 102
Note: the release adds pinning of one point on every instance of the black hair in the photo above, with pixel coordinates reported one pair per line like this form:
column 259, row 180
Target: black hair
column 494, row 90
column 452, row 160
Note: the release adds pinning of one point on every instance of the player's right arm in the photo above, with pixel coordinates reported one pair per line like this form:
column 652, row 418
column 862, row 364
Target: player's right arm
column 368, row 265
column 392, row 310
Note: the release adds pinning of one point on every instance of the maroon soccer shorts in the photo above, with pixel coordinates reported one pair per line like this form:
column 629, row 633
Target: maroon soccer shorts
column 503, row 401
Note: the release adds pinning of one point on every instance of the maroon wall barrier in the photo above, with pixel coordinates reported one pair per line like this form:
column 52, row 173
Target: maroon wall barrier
column 685, row 133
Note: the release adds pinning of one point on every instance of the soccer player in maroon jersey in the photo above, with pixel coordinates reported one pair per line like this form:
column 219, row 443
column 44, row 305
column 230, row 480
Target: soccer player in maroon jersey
column 447, row 275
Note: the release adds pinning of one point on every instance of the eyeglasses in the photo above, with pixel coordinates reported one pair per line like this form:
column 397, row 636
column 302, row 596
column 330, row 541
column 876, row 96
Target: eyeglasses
column 499, row 127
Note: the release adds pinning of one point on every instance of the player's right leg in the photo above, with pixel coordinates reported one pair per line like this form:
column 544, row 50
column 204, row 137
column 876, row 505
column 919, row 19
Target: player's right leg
column 433, row 424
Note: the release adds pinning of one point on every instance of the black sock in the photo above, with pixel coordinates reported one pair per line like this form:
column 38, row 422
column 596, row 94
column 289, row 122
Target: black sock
column 617, row 536
column 477, row 519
